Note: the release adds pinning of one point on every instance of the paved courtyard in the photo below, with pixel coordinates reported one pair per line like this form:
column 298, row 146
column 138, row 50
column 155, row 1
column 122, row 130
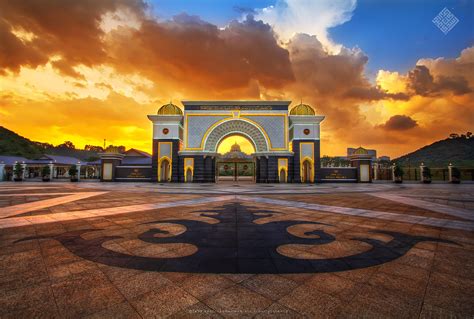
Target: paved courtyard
column 125, row 250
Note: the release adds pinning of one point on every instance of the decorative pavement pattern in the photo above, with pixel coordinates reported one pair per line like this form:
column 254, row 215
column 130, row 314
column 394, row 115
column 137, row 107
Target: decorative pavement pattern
column 93, row 250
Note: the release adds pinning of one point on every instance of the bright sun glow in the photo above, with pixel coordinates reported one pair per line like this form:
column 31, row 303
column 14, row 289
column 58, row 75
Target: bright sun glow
column 245, row 145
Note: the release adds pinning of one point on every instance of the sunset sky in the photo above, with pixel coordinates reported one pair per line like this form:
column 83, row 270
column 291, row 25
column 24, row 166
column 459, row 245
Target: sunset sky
column 381, row 72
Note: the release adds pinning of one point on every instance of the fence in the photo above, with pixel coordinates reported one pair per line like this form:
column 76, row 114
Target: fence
column 383, row 173
column 413, row 173
column 467, row 174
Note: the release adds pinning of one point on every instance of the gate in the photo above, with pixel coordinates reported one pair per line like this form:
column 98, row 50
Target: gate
column 236, row 171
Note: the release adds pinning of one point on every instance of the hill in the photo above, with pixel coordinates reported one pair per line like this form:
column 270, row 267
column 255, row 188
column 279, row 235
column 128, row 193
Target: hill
column 13, row 144
column 457, row 150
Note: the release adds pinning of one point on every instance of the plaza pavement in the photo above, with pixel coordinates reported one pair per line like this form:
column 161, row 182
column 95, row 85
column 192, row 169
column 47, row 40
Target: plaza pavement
column 137, row 250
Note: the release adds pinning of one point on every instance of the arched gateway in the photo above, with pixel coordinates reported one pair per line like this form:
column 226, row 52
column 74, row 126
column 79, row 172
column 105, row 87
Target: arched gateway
column 282, row 139
column 239, row 127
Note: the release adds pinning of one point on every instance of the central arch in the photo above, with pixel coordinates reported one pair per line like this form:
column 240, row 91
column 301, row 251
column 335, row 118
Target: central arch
column 246, row 145
column 236, row 127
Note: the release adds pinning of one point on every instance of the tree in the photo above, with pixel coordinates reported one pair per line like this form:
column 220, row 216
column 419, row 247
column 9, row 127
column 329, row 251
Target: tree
column 426, row 173
column 398, row 174
column 43, row 146
column 67, row 144
column 325, row 160
column 73, row 171
column 121, row 149
column 18, row 170
column 94, row 148
column 45, row 171
column 455, row 175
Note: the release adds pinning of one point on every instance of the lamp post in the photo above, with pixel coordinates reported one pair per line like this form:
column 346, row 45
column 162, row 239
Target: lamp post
column 422, row 166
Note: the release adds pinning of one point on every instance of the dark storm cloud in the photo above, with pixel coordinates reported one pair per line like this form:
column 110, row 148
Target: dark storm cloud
column 456, row 84
column 67, row 28
column 194, row 53
column 421, row 82
column 399, row 123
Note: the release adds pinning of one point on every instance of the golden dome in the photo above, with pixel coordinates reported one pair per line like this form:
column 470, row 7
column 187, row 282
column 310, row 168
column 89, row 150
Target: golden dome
column 170, row 109
column 302, row 109
column 235, row 148
column 360, row 151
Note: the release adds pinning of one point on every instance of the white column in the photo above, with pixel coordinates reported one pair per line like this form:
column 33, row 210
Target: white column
column 393, row 172
column 421, row 172
column 2, row 171
column 450, row 172
column 78, row 171
column 375, row 171
column 13, row 171
column 24, row 169
column 51, row 169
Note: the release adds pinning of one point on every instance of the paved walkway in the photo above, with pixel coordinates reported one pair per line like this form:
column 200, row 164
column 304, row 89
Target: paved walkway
column 148, row 250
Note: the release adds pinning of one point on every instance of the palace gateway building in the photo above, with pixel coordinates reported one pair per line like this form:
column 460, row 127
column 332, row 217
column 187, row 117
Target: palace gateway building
column 285, row 142
column 285, row 145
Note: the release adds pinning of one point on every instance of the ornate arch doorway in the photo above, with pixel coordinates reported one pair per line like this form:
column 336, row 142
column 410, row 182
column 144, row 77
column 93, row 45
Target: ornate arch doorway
column 307, row 172
column 189, row 176
column 165, row 170
column 282, row 176
column 235, row 162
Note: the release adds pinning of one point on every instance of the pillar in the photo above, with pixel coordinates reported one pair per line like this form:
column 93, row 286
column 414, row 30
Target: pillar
column 2, row 171
column 109, row 161
column 23, row 164
column 450, row 172
column 51, row 170
column 78, row 171
column 362, row 161
column 376, row 173
column 393, row 172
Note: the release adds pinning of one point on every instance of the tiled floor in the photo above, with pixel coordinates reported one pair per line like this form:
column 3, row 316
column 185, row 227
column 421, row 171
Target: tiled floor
column 263, row 251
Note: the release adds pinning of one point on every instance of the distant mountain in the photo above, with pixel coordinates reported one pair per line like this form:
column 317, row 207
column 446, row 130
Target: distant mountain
column 457, row 150
column 13, row 144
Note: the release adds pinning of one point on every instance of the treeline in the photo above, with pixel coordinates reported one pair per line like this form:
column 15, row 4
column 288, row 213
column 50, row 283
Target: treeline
column 16, row 145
